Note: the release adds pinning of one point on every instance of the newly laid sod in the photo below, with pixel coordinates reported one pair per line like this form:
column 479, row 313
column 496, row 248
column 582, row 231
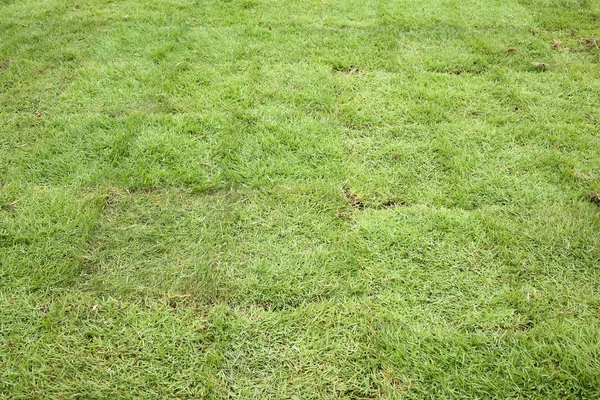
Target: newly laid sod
column 310, row 199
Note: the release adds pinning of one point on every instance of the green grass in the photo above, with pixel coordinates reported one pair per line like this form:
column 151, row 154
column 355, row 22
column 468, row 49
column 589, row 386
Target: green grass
column 300, row 199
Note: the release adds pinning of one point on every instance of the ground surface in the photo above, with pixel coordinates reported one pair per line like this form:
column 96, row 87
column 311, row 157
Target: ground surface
column 299, row 199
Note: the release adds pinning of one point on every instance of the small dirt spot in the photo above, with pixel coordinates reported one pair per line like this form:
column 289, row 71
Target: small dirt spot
column 9, row 207
column 397, row 156
column 589, row 42
column 511, row 50
column 594, row 198
column 356, row 202
column 524, row 327
column 5, row 64
column 462, row 71
column 179, row 300
column 391, row 203
column 353, row 199
column 350, row 69
column 556, row 44
column 539, row 65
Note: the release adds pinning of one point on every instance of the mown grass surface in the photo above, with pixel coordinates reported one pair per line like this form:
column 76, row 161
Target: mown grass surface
column 299, row 199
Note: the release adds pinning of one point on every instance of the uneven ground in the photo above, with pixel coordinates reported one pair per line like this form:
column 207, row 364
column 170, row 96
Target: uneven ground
column 299, row 199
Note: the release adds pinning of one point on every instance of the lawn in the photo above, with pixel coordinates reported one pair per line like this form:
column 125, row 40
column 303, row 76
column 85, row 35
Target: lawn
column 316, row 199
